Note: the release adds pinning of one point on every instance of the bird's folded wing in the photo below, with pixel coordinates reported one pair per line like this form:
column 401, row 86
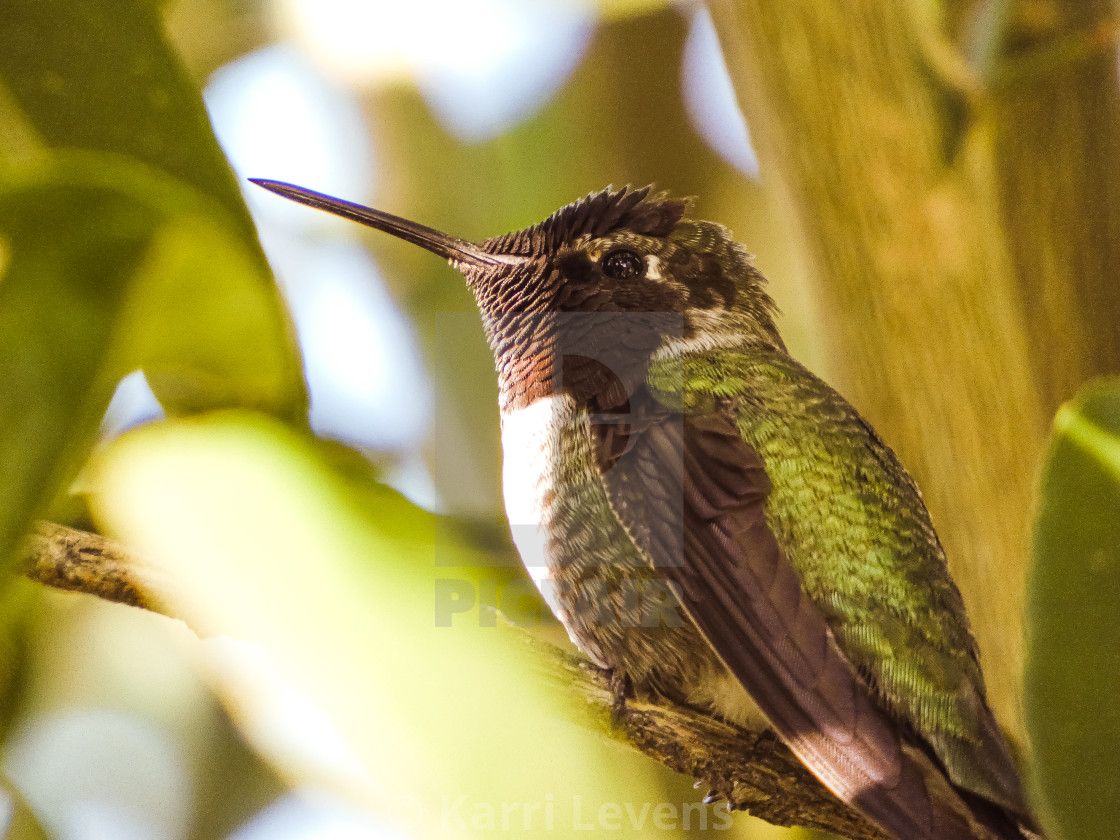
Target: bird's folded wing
column 692, row 492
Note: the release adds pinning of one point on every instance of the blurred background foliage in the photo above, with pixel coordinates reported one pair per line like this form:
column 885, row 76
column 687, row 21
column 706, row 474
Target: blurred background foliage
column 931, row 187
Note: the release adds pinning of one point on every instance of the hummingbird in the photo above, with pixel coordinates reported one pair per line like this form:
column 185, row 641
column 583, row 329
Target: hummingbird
column 714, row 524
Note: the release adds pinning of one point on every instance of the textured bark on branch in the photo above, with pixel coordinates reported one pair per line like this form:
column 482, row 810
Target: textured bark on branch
column 753, row 769
column 78, row 561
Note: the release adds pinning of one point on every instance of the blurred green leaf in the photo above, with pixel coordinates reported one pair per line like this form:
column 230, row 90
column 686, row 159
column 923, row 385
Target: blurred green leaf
column 1073, row 671
column 100, row 75
column 20, row 615
column 629, row 8
column 108, row 266
column 139, row 252
column 262, row 540
column 23, row 825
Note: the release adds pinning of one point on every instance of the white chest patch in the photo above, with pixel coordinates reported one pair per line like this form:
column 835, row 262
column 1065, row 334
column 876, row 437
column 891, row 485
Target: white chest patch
column 530, row 470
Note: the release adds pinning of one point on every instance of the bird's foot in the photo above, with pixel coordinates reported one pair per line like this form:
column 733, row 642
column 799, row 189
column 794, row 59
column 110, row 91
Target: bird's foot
column 767, row 736
column 715, row 796
column 621, row 690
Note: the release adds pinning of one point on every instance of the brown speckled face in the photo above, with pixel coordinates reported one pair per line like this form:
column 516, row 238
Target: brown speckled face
column 625, row 251
column 625, row 272
column 627, row 258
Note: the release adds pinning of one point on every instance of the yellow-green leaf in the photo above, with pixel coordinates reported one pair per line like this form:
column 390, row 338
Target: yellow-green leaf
column 1073, row 670
column 106, row 266
column 100, row 75
column 453, row 733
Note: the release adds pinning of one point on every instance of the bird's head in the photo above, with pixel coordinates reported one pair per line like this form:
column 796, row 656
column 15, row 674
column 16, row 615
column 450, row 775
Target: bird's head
column 602, row 283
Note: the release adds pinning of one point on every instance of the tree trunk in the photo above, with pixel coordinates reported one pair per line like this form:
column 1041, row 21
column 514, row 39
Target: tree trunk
column 867, row 124
column 1057, row 134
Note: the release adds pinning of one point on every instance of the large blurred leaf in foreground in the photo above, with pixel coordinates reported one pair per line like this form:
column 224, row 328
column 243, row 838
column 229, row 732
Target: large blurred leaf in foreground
column 264, row 541
column 1073, row 671
column 106, row 266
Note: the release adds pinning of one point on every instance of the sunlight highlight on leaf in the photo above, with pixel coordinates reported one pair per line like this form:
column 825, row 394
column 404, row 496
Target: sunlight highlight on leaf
column 266, row 543
column 1102, row 444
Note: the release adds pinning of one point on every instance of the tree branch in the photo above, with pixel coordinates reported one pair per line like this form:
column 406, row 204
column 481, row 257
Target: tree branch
column 78, row 561
column 751, row 768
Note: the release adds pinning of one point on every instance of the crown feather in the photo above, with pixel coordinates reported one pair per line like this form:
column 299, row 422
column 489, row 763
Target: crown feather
column 638, row 211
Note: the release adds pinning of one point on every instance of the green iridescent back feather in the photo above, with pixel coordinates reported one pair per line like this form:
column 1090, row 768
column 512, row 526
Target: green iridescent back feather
column 852, row 522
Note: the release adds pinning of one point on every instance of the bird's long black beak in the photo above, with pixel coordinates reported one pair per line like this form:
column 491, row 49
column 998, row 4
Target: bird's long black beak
column 451, row 248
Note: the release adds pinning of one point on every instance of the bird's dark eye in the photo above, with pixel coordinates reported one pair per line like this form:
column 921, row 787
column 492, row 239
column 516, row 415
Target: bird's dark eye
column 622, row 265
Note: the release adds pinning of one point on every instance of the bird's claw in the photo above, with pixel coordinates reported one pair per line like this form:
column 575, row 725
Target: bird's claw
column 620, row 691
